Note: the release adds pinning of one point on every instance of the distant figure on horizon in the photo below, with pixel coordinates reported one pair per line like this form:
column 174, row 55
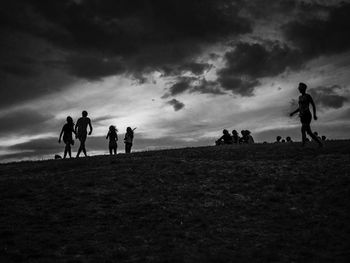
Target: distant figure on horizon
column 318, row 137
column 305, row 115
column 67, row 131
column 289, row 139
column 235, row 137
column 81, row 131
column 128, row 139
column 113, row 138
column 323, row 138
column 278, row 139
column 246, row 137
column 225, row 138
column 283, row 141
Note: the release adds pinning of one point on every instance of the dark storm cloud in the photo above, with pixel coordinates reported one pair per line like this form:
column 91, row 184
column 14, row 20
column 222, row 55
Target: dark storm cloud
column 22, row 121
column 194, row 85
column 208, row 87
column 93, row 68
column 321, row 36
column 317, row 29
column 257, row 60
column 237, row 85
column 329, row 97
column 249, row 62
column 176, row 104
column 183, row 84
column 143, row 33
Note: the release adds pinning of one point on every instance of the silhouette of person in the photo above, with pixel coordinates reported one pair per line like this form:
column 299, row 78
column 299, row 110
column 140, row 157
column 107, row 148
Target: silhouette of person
column 246, row 137
column 113, row 138
column 289, row 139
column 225, row 138
column 305, row 100
column 81, row 131
column 128, row 139
column 316, row 134
column 235, row 137
column 278, row 139
column 67, row 131
column 249, row 137
column 283, row 141
column 323, row 138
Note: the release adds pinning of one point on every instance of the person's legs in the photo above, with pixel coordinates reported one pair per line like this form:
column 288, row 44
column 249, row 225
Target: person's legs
column 303, row 133
column 70, row 152
column 313, row 136
column 128, row 147
column 110, row 150
column 115, row 150
column 65, row 151
column 83, row 148
column 80, row 147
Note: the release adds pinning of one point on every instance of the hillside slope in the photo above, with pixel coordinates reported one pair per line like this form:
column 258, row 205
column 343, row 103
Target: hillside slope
column 253, row 203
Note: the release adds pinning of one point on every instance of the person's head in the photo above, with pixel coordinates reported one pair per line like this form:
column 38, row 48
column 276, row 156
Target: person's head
column 324, row 138
column 248, row 132
column 283, row 140
column 302, row 87
column 288, row 139
column 278, row 138
column 234, row 132
column 84, row 113
column 316, row 133
column 69, row 120
column 225, row 132
column 128, row 130
column 243, row 132
column 112, row 128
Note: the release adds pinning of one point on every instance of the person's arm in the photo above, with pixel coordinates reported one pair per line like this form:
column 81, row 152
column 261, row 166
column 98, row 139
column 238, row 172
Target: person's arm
column 75, row 129
column 107, row 135
column 313, row 107
column 297, row 110
column 90, row 127
column 59, row 139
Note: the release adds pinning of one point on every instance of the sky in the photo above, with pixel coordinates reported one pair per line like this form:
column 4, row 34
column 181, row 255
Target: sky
column 180, row 71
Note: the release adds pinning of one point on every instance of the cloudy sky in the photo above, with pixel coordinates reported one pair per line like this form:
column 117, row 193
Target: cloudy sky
column 180, row 71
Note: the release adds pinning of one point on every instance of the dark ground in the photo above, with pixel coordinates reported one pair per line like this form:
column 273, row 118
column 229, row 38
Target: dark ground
column 255, row 203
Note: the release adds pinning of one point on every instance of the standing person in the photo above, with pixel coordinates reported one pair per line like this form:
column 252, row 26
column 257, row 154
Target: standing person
column 128, row 139
column 81, row 131
column 67, row 131
column 305, row 100
column 113, row 138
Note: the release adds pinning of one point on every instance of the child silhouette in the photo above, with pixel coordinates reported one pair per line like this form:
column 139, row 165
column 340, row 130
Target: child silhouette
column 113, row 138
column 67, row 131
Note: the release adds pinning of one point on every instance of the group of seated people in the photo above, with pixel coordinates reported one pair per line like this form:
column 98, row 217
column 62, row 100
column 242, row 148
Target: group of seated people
column 280, row 140
column 227, row 138
column 289, row 139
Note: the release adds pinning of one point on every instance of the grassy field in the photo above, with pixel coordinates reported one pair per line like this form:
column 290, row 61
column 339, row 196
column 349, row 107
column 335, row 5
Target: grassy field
column 252, row 203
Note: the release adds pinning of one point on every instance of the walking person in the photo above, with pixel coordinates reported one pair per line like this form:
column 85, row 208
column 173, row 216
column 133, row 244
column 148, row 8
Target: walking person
column 128, row 139
column 81, row 131
column 305, row 100
column 67, row 132
column 113, row 139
